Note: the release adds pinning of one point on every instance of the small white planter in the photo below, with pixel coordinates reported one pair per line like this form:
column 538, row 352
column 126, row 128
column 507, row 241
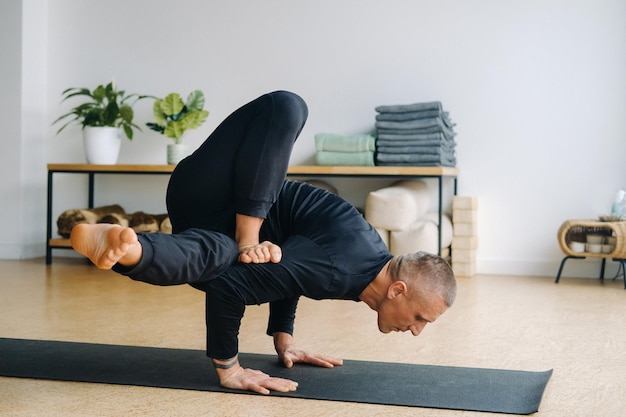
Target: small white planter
column 102, row 144
column 176, row 153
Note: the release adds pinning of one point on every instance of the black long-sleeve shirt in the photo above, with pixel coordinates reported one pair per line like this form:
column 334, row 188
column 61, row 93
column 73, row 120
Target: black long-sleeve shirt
column 329, row 252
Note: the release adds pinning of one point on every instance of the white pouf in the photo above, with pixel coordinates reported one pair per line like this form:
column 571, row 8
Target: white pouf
column 422, row 235
column 398, row 206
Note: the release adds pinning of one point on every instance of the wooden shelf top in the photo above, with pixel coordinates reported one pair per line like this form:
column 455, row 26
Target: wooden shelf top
column 59, row 242
column 111, row 168
column 293, row 169
column 369, row 170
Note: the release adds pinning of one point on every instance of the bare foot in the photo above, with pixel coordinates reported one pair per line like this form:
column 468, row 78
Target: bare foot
column 260, row 253
column 106, row 244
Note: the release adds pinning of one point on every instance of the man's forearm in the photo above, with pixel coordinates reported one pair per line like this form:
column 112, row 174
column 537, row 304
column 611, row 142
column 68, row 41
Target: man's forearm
column 282, row 341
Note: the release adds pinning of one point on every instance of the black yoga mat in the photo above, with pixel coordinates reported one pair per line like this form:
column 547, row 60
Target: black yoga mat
column 493, row 390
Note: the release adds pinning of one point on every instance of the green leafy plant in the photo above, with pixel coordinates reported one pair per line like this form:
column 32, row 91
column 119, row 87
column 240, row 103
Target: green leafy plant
column 105, row 106
column 173, row 116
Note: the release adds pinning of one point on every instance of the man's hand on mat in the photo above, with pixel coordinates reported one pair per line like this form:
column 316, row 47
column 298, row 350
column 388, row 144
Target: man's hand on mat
column 260, row 253
column 288, row 354
column 292, row 355
column 238, row 377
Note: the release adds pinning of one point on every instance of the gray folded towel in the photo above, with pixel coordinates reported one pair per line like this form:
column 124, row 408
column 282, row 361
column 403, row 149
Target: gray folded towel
column 415, row 143
column 415, row 116
column 433, row 129
column 426, row 142
column 418, row 164
column 404, row 108
column 412, row 115
column 415, row 139
column 411, row 124
column 415, row 149
column 423, row 155
column 415, row 123
column 412, row 136
column 414, row 159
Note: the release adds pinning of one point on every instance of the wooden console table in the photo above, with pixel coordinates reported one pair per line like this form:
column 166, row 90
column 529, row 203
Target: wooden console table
column 391, row 172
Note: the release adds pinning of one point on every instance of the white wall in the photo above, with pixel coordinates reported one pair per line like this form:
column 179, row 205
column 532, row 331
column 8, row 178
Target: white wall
column 23, row 118
column 10, row 27
column 537, row 90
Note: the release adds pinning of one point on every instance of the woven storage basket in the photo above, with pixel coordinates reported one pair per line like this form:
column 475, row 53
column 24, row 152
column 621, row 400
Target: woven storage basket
column 577, row 231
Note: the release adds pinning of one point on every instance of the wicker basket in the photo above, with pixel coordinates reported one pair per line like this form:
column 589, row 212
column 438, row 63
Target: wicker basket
column 577, row 231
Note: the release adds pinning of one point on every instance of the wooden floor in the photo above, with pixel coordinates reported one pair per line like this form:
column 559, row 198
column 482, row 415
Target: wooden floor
column 577, row 327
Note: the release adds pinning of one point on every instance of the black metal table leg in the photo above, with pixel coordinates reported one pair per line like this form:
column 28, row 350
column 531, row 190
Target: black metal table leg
column 558, row 275
column 602, row 266
column 49, row 220
column 440, row 217
column 91, row 192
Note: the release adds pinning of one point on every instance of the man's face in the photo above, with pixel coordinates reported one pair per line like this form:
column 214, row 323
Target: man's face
column 402, row 311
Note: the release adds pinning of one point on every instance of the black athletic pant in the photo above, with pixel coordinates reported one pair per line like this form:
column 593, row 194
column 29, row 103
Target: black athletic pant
column 240, row 168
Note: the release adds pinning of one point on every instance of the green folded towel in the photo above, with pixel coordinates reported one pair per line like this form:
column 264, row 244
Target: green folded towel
column 344, row 143
column 365, row 158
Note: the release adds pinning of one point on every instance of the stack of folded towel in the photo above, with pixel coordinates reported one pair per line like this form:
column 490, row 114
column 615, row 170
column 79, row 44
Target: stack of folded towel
column 419, row 134
column 334, row 149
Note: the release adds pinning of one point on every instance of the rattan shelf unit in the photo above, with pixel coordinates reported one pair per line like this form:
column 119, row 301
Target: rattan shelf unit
column 577, row 230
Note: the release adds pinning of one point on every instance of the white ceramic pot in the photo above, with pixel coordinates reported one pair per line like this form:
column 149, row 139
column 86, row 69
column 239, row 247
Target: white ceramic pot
column 176, row 153
column 102, row 144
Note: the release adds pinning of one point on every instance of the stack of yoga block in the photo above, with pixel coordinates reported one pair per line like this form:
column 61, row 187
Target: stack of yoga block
column 419, row 134
column 465, row 235
column 336, row 149
column 402, row 215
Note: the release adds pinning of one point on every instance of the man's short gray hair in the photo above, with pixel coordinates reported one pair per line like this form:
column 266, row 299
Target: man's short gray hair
column 426, row 274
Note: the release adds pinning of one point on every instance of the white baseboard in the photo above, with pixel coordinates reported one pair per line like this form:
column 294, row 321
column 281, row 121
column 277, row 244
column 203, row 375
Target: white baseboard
column 574, row 268
column 26, row 251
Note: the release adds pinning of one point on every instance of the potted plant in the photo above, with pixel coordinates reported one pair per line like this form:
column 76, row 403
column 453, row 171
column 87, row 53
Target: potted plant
column 173, row 117
column 105, row 113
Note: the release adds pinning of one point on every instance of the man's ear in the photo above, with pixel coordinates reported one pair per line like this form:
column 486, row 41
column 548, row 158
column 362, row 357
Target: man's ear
column 396, row 288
